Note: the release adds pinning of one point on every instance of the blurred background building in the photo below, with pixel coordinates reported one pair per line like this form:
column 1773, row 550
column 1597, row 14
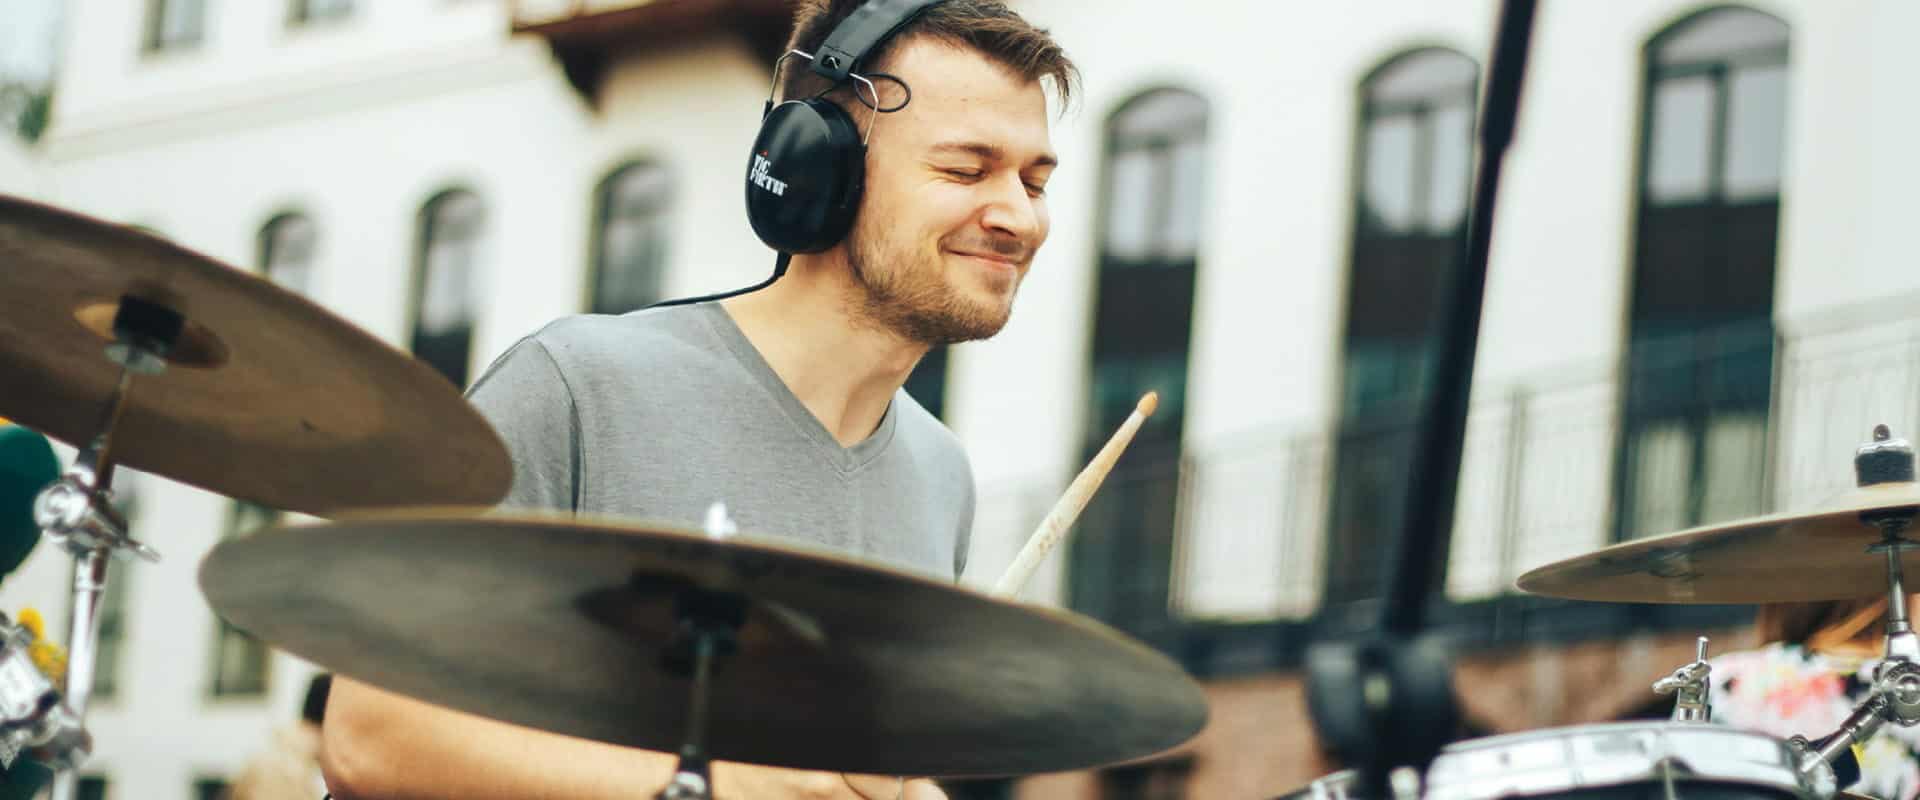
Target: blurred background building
column 1699, row 301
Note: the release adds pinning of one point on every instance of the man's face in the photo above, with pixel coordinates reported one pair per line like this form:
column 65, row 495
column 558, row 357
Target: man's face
column 955, row 206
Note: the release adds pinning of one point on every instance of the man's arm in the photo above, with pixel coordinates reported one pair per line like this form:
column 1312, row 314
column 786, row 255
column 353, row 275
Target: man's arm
column 378, row 745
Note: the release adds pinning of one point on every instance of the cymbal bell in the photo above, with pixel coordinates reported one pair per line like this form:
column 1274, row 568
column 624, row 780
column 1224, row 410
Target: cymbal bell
column 266, row 396
column 1814, row 555
column 564, row 625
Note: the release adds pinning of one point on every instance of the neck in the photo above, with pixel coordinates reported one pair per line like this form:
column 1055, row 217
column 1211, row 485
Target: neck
column 842, row 367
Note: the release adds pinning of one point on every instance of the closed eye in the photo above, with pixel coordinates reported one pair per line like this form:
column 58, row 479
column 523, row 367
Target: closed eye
column 970, row 174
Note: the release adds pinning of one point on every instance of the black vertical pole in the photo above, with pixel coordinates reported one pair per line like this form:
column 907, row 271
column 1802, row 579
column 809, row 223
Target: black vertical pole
column 1435, row 467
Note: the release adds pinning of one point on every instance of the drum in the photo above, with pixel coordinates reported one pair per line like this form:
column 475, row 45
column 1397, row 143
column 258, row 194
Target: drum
column 1613, row 761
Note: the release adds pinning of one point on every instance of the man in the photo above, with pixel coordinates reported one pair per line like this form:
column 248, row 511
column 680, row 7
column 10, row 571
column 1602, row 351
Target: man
column 783, row 403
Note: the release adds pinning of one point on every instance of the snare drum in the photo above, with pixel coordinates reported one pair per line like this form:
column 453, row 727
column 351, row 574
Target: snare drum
column 1614, row 761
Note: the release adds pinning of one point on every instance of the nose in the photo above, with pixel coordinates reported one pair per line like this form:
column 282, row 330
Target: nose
column 1010, row 211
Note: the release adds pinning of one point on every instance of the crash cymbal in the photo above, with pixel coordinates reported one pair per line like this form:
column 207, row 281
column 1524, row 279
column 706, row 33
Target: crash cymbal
column 1815, row 555
column 561, row 625
column 266, row 396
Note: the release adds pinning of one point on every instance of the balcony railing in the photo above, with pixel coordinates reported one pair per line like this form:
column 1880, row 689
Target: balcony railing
column 1537, row 483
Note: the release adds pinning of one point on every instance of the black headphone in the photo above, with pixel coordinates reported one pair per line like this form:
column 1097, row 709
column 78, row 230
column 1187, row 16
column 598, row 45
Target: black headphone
column 808, row 165
column 809, row 160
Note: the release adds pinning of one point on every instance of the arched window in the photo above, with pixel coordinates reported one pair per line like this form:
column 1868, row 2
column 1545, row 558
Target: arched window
column 630, row 238
column 307, row 11
column 1699, row 366
column 446, row 289
column 1409, row 232
column 1155, row 169
column 241, row 663
column 286, row 246
column 174, row 24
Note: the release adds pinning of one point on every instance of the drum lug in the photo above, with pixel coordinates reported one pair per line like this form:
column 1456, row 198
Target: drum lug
column 1690, row 686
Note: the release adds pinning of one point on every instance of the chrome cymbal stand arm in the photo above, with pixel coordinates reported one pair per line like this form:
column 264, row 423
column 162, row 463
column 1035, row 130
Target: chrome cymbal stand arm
column 1901, row 641
column 77, row 511
column 1815, row 759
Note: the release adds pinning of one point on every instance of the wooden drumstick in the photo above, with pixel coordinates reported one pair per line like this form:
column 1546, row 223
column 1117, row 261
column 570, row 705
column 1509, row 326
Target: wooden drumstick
column 1054, row 527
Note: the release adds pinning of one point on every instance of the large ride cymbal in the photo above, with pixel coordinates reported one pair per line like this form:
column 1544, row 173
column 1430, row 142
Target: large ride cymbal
column 266, row 397
column 1815, row 555
column 560, row 625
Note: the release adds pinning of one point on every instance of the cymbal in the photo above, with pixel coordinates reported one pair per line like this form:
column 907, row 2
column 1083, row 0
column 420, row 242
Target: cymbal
column 1790, row 557
column 266, row 397
column 560, row 625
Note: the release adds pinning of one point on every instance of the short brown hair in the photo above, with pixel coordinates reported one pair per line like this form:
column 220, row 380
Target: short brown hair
column 987, row 27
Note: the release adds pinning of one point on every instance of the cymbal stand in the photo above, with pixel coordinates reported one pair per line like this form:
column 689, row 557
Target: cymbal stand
column 77, row 511
column 708, row 622
column 1895, row 694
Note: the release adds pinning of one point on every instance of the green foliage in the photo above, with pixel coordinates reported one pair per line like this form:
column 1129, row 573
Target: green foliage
column 25, row 109
column 39, row 111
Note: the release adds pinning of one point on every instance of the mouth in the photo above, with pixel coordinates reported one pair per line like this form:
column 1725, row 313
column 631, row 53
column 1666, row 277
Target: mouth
column 991, row 260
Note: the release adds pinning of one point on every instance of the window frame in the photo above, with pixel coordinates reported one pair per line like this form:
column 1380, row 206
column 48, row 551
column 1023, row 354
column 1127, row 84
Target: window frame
column 1343, row 581
column 243, row 519
column 603, row 215
column 425, row 238
column 155, row 39
column 1630, row 419
column 1157, row 453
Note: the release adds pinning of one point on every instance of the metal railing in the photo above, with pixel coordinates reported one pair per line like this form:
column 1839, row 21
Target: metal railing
column 1538, row 477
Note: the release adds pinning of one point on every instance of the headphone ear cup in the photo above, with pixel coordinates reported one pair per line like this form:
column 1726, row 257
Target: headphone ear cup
column 805, row 176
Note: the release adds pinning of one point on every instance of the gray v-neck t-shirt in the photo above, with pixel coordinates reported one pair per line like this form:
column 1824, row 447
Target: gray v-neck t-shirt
column 656, row 414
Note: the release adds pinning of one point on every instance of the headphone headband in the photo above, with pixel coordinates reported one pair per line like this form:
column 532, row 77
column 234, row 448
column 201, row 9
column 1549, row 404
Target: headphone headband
column 869, row 25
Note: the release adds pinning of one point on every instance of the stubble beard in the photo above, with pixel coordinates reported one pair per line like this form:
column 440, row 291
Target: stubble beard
column 911, row 297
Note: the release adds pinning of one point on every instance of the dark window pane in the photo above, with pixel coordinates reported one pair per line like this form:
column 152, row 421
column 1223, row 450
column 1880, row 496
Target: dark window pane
column 1756, row 128
column 1450, row 176
column 209, row 789
column 286, row 252
column 927, row 384
column 313, row 10
column 1120, row 563
column 241, row 662
column 1416, row 163
column 631, row 242
column 1693, row 446
column 1680, row 139
column 1156, row 178
column 175, row 23
column 446, row 290
column 1388, row 197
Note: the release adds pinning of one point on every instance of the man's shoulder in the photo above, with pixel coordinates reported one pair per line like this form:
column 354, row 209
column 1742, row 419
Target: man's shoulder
column 644, row 337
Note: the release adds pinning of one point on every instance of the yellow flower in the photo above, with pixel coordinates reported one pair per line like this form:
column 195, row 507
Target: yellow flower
column 48, row 657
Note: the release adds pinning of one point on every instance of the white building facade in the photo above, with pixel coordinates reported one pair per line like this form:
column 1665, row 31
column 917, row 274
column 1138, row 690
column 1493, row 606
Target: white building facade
column 440, row 181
